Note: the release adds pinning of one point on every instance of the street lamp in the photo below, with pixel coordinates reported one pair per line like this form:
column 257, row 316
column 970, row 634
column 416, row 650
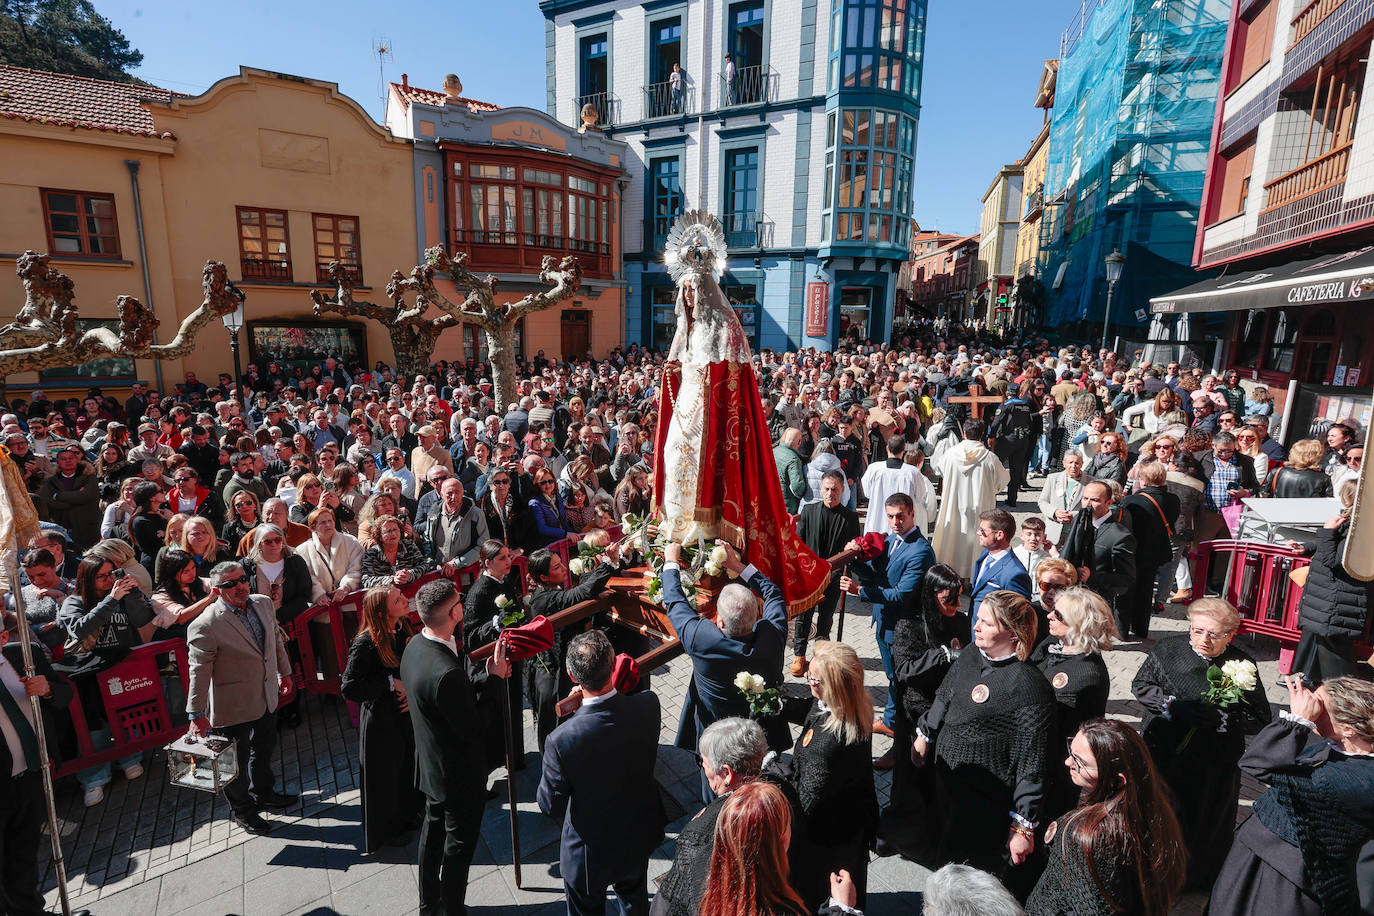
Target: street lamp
column 1115, row 261
column 233, row 322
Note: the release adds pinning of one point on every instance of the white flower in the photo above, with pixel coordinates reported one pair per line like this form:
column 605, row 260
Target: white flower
column 758, row 686
column 576, row 566
column 743, row 680
column 712, row 569
column 717, row 557
column 503, row 601
column 1242, row 673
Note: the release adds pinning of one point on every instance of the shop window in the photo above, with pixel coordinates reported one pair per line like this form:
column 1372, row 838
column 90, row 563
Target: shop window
column 307, row 343
column 81, row 223
column 744, row 298
column 855, row 306
column 663, row 318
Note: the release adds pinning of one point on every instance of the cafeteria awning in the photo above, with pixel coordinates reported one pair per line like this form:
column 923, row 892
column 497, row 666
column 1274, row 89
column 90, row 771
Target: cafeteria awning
column 1329, row 278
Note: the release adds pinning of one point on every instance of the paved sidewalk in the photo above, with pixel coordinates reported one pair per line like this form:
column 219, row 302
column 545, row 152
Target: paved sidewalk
column 155, row 850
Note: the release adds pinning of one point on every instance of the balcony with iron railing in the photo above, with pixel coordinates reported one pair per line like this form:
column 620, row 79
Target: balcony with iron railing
column 1314, row 176
column 751, row 86
column 1035, row 202
column 661, row 101
column 605, row 104
column 748, row 229
column 1310, row 16
column 274, row 269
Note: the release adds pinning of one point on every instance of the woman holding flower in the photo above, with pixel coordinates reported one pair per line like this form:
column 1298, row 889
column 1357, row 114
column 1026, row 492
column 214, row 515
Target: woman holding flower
column 1202, row 696
column 833, row 771
column 1296, row 854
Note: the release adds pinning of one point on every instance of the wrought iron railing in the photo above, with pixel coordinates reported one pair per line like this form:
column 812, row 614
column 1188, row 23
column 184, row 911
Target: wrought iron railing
column 662, row 101
column 265, row 269
column 748, row 229
column 606, row 105
column 751, row 86
column 354, row 272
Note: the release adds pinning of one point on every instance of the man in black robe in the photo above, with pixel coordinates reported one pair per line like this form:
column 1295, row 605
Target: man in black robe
column 825, row 527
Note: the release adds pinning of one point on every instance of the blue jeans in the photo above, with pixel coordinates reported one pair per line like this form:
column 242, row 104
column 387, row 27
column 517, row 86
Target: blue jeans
column 885, row 654
column 1040, row 458
column 99, row 775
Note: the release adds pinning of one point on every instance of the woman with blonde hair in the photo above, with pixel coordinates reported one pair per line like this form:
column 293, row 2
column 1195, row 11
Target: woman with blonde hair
column 1196, row 744
column 198, row 539
column 1082, row 627
column 748, row 874
column 1302, row 474
column 118, row 552
column 832, row 763
column 991, row 726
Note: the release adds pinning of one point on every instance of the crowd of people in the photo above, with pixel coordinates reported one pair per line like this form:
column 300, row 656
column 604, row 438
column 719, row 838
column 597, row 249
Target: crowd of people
column 186, row 515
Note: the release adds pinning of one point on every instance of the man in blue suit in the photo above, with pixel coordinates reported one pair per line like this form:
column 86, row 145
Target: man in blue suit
column 599, row 779
column 737, row 640
column 892, row 584
column 996, row 567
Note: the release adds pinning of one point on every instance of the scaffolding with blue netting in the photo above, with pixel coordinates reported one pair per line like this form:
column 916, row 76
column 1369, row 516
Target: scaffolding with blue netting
column 1134, row 105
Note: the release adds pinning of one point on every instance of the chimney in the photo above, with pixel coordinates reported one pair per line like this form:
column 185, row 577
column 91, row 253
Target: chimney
column 405, row 81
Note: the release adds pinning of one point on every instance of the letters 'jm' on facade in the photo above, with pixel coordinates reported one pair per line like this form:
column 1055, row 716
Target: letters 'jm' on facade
column 802, row 142
column 273, row 174
column 510, row 186
column 1289, row 206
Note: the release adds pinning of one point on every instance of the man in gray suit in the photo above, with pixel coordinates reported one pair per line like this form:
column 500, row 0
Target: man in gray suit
column 239, row 673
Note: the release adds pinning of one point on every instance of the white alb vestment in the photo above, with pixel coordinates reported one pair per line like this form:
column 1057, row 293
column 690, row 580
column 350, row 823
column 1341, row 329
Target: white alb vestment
column 883, row 479
column 973, row 477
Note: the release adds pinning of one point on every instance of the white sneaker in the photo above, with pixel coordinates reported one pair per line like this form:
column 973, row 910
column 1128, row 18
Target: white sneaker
column 94, row 796
column 134, row 771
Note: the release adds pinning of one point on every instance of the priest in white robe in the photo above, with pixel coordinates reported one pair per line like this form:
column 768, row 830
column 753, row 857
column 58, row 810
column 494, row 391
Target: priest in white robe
column 894, row 475
column 973, row 476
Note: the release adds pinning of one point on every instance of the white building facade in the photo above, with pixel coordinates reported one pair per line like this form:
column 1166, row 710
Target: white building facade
column 802, row 142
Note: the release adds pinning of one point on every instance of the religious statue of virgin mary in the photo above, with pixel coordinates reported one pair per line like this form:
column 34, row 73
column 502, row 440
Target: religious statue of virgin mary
column 715, row 477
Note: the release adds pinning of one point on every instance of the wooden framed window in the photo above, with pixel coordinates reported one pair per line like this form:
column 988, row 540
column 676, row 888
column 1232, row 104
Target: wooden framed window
column 1236, row 168
column 1254, row 42
column 81, row 223
column 336, row 239
column 264, row 244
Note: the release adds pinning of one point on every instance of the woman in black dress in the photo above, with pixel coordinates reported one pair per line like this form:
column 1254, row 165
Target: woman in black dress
column 923, row 648
column 1120, row 852
column 990, row 727
column 832, row 764
column 1196, row 745
column 1081, row 627
column 386, row 758
column 1296, row 854
column 508, row 520
column 748, row 874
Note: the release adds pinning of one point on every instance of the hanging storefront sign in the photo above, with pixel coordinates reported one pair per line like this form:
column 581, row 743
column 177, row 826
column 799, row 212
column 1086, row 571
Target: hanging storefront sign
column 817, row 309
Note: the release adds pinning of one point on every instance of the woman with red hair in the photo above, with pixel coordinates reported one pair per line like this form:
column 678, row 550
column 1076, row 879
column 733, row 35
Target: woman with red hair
column 748, row 874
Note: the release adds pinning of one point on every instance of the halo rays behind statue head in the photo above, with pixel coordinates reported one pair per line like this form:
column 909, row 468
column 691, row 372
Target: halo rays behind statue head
column 696, row 245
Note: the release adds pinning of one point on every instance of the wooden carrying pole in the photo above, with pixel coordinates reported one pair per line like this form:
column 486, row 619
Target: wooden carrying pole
column 8, row 500
column 510, row 780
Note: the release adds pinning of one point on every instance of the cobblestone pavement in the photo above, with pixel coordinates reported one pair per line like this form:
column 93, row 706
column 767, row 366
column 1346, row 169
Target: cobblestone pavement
column 151, row 849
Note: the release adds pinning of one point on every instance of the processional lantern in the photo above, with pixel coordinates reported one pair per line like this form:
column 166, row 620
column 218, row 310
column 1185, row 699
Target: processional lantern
column 206, row 764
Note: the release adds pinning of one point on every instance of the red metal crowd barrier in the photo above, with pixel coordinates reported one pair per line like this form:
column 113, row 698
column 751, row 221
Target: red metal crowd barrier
column 1257, row 582
column 140, row 713
column 137, row 707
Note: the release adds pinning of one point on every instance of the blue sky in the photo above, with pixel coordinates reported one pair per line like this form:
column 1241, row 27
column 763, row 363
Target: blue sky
column 983, row 61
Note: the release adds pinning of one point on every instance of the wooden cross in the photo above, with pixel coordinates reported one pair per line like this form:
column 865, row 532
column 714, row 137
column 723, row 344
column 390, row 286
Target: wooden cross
column 977, row 401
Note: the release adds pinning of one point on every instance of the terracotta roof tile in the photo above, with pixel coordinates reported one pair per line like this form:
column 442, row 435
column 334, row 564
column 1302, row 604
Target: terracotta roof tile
column 409, row 93
column 78, row 101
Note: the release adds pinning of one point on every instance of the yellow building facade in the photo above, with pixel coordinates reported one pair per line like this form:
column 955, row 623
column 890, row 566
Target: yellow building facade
column 274, row 175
